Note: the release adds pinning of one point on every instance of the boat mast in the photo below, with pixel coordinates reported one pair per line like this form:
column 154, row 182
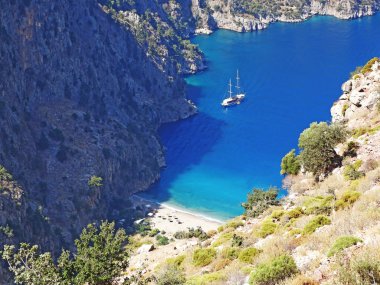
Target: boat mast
column 230, row 91
column 237, row 81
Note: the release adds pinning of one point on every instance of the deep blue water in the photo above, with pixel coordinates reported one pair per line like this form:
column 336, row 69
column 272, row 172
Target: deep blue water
column 292, row 74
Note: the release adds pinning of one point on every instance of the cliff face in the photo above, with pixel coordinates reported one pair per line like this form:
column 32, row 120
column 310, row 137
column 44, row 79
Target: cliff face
column 78, row 97
column 243, row 15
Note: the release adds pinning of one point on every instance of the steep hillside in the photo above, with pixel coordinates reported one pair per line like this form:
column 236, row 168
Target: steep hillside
column 78, row 99
column 326, row 231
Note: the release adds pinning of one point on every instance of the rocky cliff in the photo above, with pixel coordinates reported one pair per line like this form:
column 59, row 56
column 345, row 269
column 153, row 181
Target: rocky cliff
column 78, row 98
column 243, row 15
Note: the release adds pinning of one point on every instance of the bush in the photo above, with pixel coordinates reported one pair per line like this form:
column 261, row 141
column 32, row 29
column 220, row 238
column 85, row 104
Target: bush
column 197, row 233
column 319, row 205
column 277, row 214
column 230, row 253
column 314, row 224
column 294, row 213
column 290, row 163
column 95, row 181
column 236, row 241
column 368, row 67
column 234, row 224
column 267, row 228
column 351, row 150
column 359, row 270
column 260, row 200
column 274, row 271
column 248, row 255
column 342, row 243
column 351, row 171
column 206, row 279
column 176, row 261
column 203, row 256
column 162, row 240
column 317, row 143
column 171, row 275
column 348, row 198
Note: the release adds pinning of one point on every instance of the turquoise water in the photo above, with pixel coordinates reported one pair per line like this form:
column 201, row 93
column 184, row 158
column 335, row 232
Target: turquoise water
column 291, row 73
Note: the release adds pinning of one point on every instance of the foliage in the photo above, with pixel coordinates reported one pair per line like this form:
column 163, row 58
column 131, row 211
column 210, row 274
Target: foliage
column 362, row 270
column 348, row 198
column 248, row 255
column 317, row 143
column 342, row 243
column 260, row 200
column 351, row 150
column 237, row 240
column 234, row 224
column 171, row 275
column 274, row 271
column 267, row 228
column 99, row 257
column 203, row 256
column 4, row 174
column 290, row 163
column 230, row 253
column 319, row 205
column 191, row 232
column 368, row 66
column 30, row 267
column 206, row 279
column 351, row 171
column 176, row 261
column 162, row 240
column 95, row 181
column 315, row 223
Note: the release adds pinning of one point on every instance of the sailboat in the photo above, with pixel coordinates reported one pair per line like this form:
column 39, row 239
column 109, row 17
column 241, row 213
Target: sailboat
column 234, row 99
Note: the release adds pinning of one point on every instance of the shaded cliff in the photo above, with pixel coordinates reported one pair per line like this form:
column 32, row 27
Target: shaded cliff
column 78, row 97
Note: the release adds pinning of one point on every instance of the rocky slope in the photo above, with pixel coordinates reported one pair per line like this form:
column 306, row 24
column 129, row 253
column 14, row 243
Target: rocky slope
column 330, row 228
column 78, row 98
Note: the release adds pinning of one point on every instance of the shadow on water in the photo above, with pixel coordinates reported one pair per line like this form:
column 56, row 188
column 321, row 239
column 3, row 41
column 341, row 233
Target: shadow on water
column 186, row 142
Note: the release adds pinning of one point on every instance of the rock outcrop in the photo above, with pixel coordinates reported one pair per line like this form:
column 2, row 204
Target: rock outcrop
column 78, row 97
column 361, row 94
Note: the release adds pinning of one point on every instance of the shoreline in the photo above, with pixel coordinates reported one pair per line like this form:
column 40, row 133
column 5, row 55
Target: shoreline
column 171, row 219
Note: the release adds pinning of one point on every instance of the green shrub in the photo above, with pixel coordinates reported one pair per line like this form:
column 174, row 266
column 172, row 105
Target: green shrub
column 351, row 171
column 191, row 232
column 274, row 271
column 319, row 205
column 171, row 275
column 236, row 241
column 176, row 261
column 223, row 238
column 260, row 200
column 317, row 144
column 234, row 224
column 314, row 224
column 95, row 181
column 267, row 228
column 358, row 270
column 230, row 253
column 203, row 256
column 294, row 213
column 367, row 68
column 206, row 279
column 162, row 240
column 348, row 198
column 351, row 150
column 277, row 214
column 248, row 255
column 342, row 243
column 290, row 163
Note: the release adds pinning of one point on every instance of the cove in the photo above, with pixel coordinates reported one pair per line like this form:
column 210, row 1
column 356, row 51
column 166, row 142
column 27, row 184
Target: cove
column 291, row 73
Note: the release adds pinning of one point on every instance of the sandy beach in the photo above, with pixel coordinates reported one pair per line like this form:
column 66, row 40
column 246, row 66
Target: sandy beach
column 171, row 219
